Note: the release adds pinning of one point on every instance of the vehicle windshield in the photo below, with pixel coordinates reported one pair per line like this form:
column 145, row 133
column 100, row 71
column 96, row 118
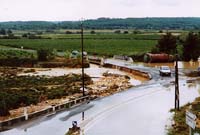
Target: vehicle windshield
column 165, row 68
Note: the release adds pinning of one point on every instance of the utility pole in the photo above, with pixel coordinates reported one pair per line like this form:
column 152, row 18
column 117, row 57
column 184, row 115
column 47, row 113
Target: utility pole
column 83, row 78
column 176, row 84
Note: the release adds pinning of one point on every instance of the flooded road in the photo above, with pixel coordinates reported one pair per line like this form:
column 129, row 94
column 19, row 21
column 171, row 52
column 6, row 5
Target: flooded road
column 141, row 110
column 147, row 114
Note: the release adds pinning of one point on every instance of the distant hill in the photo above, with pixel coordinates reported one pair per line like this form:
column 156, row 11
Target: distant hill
column 108, row 23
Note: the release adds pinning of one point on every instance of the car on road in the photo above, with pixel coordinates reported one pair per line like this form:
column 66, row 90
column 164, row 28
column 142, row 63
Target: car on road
column 165, row 70
column 198, row 69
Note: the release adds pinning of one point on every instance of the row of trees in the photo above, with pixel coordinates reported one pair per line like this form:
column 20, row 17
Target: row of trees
column 4, row 32
column 109, row 23
column 190, row 47
column 116, row 32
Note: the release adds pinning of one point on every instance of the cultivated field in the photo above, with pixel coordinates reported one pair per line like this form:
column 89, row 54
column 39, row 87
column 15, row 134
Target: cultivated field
column 102, row 42
column 101, row 47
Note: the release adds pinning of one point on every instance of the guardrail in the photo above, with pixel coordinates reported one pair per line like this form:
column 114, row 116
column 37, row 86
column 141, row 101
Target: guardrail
column 95, row 60
column 5, row 125
column 129, row 70
column 98, row 61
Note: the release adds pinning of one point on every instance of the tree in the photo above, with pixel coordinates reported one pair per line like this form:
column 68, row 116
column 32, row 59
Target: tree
column 43, row 54
column 2, row 32
column 191, row 47
column 92, row 32
column 167, row 44
column 11, row 35
column 125, row 32
column 9, row 31
column 117, row 31
column 68, row 32
column 25, row 35
column 136, row 32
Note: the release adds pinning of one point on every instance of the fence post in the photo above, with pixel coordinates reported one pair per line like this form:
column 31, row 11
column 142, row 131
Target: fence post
column 25, row 113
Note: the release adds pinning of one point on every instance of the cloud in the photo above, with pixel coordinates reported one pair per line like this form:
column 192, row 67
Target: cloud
column 89, row 9
column 133, row 3
column 167, row 2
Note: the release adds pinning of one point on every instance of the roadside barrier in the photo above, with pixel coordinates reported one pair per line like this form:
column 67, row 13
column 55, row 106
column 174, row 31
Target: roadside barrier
column 99, row 61
column 129, row 70
column 95, row 60
column 5, row 125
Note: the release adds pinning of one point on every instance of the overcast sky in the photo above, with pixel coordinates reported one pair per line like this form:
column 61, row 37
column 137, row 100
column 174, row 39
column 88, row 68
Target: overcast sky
column 59, row 10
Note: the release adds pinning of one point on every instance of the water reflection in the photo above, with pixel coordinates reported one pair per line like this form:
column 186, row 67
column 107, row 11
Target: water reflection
column 193, row 84
column 76, row 111
column 83, row 116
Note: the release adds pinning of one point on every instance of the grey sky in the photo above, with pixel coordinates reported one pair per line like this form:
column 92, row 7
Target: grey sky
column 58, row 10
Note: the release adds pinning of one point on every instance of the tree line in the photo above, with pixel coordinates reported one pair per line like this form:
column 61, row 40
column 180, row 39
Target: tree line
column 189, row 48
column 182, row 23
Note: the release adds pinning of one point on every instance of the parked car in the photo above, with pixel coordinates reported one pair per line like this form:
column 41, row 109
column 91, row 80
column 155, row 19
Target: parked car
column 165, row 70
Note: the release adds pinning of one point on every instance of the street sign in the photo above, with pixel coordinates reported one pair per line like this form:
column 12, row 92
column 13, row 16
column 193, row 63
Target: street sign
column 191, row 119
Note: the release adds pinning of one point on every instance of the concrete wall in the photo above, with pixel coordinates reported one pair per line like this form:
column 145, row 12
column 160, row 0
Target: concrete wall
column 129, row 70
column 4, row 125
column 125, row 69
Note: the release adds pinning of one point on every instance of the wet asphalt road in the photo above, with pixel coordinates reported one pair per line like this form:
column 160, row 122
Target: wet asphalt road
column 140, row 110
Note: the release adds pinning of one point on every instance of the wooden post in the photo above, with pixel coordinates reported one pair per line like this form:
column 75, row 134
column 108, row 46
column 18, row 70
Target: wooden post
column 25, row 113
column 83, row 81
column 190, row 131
column 176, row 85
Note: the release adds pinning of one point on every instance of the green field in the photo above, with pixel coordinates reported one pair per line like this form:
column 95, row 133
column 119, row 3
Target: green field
column 104, row 36
column 99, row 46
column 104, row 42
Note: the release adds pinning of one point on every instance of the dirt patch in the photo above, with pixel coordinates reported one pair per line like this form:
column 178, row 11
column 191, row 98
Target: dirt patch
column 109, row 84
column 105, row 82
column 7, row 71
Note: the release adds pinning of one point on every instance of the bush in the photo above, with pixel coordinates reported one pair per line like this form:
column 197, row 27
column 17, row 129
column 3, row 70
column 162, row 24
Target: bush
column 125, row 32
column 18, row 91
column 68, row 32
column 45, row 54
column 117, row 31
column 17, row 62
column 4, row 107
column 92, row 32
column 138, row 57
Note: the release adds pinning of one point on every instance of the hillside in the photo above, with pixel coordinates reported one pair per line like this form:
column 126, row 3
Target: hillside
column 108, row 23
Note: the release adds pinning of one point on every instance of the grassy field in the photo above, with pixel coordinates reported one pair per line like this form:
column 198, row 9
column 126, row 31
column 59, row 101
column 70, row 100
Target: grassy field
column 104, row 36
column 103, row 42
column 99, row 46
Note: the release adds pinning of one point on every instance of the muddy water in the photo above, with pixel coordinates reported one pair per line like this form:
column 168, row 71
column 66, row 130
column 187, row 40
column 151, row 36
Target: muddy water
column 140, row 111
column 184, row 65
column 147, row 114
column 94, row 71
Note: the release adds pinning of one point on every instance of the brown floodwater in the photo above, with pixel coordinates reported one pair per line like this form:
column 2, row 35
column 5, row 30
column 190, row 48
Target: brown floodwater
column 129, row 112
column 94, row 71
column 184, row 65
